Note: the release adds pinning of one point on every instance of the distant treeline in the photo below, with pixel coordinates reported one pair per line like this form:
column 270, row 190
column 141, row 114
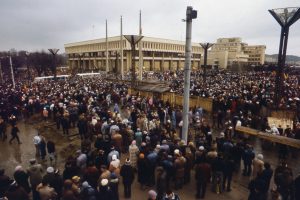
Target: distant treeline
column 41, row 61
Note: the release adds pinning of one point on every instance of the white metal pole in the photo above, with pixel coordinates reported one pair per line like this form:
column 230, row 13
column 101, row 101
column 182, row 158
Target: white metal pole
column 106, row 53
column 140, row 50
column 121, row 50
column 12, row 72
column 1, row 74
column 187, row 74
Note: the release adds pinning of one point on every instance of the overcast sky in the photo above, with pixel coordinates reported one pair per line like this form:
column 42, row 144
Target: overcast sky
column 39, row 24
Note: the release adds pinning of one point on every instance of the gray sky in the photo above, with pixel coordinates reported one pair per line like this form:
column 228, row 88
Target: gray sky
column 40, row 24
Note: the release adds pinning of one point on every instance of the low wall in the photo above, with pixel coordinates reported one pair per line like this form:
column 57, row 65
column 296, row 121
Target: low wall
column 177, row 100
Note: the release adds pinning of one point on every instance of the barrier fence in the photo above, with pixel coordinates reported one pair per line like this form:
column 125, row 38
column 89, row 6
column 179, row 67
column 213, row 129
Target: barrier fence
column 175, row 99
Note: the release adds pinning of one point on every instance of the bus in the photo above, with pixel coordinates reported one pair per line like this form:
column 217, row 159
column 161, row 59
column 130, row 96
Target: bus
column 45, row 78
column 83, row 75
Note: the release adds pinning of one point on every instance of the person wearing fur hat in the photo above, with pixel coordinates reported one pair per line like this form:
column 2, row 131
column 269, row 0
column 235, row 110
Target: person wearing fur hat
column 258, row 166
column 114, row 165
column 127, row 173
column 105, row 192
column 152, row 195
column 179, row 165
column 114, row 186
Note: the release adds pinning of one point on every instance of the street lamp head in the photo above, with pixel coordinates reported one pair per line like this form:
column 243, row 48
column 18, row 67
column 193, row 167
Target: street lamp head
column 190, row 13
column 133, row 39
column 286, row 16
column 206, row 45
column 53, row 51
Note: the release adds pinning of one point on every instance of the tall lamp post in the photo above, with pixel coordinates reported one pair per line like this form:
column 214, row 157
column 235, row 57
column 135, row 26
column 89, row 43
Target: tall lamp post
column 28, row 71
column 133, row 40
column 12, row 71
column 116, row 64
column 1, row 73
column 80, row 66
column 54, row 52
column 190, row 15
column 205, row 46
column 285, row 17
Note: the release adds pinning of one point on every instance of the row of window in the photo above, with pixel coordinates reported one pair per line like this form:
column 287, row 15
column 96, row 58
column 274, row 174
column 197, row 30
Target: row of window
column 145, row 45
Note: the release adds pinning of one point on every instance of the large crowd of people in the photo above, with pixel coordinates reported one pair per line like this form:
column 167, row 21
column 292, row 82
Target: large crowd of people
column 146, row 133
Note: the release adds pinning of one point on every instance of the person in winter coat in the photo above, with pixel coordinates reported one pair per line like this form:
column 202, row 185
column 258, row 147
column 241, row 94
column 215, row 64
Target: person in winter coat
column 248, row 157
column 258, row 165
column 114, row 166
column 283, row 179
column 14, row 134
column 87, row 192
column 179, row 165
column 42, row 146
column 297, row 187
column 49, row 177
column 133, row 154
column 71, row 169
column 45, row 114
column 35, row 171
column 4, row 182
column 138, row 137
column 202, row 176
column 58, row 183
column 36, row 141
column 127, row 173
column 51, row 152
column 143, row 173
column 266, row 175
column 114, row 186
column 161, row 182
column 105, row 193
column 21, row 178
column 81, row 160
column 16, row 192
column 68, row 192
column 82, row 125
column 91, row 175
column 227, row 173
column 46, row 192
column 65, row 124
column 100, row 159
column 170, row 195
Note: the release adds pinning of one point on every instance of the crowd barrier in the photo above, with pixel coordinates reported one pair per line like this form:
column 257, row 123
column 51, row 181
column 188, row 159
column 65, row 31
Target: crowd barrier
column 176, row 100
column 283, row 114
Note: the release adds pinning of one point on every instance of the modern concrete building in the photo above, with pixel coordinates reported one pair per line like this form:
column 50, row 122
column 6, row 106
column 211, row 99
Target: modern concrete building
column 161, row 54
column 256, row 54
column 158, row 54
column 227, row 52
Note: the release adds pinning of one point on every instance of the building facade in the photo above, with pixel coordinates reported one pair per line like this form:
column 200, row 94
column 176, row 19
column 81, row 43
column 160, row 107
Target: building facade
column 227, row 52
column 158, row 54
